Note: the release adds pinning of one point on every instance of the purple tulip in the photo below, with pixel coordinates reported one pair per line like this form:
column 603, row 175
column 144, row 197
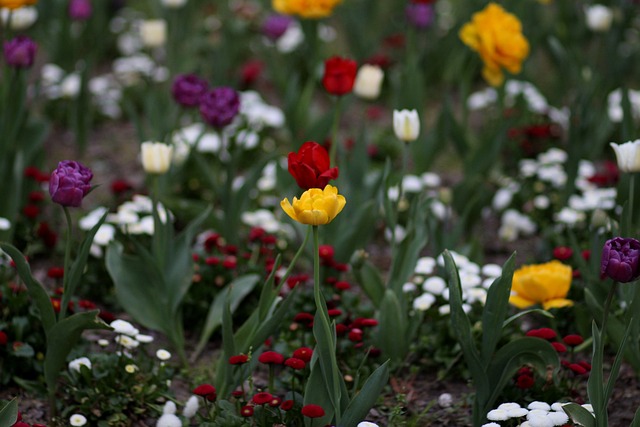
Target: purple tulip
column 620, row 259
column 80, row 10
column 20, row 52
column 219, row 106
column 69, row 183
column 187, row 89
column 419, row 15
column 275, row 26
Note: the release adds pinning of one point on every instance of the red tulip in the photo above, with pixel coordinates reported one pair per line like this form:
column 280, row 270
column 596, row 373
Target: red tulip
column 310, row 166
column 339, row 75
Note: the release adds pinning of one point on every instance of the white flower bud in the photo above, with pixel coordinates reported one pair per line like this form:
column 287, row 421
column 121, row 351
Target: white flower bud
column 153, row 32
column 156, row 157
column 628, row 155
column 406, row 125
column 368, row 81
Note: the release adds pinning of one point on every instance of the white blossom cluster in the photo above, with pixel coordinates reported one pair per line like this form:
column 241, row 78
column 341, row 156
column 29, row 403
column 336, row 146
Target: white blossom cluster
column 536, row 414
column 546, row 175
column 474, row 281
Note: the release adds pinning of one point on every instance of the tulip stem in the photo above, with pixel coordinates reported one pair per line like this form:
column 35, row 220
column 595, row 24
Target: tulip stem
column 631, row 194
column 334, row 131
column 67, row 259
column 598, row 354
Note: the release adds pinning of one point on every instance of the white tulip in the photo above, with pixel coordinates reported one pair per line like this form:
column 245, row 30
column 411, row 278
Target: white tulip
column 156, row 157
column 599, row 17
column 406, row 125
column 153, row 32
column 628, row 155
column 368, row 81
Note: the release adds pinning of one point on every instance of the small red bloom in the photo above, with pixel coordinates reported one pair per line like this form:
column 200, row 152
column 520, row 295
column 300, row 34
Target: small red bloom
column 287, row 405
column 256, row 233
column 559, row 347
column 544, row 333
column 36, row 196
column 31, row 211
column 586, row 254
column 310, row 166
column 55, row 302
column 237, row 393
column 303, row 353
column 326, row 252
column 119, row 186
column 86, row 304
column 3, row 338
column 312, row 411
column 230, row 262
column 573, row 340
column 246, row 411
column 577, row 369
column 295, row 363
column 304, row 318
column 524, row 382
column 562, row 253
column 585, row 365
column 275, row 402
column 212, row 260
column 212, row 241
column 55, row 273
column 239, row 359
column 204, row 390
column 262, row 398
column 342, row 285
column 20, row 424
column 341, row 329
column 271, row 358
column 334, row 312
column 355, row 335
column 250, row 72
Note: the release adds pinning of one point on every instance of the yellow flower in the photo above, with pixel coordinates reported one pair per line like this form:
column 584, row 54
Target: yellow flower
column 15, row 4
column 316, row 206
column 546, row 284
column 497, row 37
column 312, row 9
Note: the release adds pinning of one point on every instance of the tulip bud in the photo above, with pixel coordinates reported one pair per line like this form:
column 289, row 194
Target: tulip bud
column 156, row 157
column 620, row 259
column 406, row 125
column 599, row 17
column 153, row 32
column 368, row 81
column 20, row 52
column 628, row 155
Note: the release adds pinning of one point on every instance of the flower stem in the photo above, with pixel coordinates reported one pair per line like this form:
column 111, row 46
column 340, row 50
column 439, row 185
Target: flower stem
column 631, row 194
column 67, row 260
column 598, row 353
column 334, row 131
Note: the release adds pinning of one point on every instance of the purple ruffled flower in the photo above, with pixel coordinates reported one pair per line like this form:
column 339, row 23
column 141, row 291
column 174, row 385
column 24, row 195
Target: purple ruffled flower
column 275, row 26
column 187, row 89
column 80, row 10
column 419, row 15
column 20, row 52
column 69, row 183
column 219, row 106
column 620, row 259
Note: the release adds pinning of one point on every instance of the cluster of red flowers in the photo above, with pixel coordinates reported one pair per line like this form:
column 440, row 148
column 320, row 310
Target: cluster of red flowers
column 20, row 423
column 533, row 139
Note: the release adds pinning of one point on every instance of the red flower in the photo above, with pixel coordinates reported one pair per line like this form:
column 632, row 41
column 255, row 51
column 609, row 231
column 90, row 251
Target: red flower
column 312, row 411
column 310, row 166
column 36, row 196
column 275, row 402
column 3, row 338
column 334, row 312
column 303, row 353
column 524, row 382
column 287, row 405
column 562, row 253
column 55, row 273
column 342, row 285
column 205, row 390
column 295, row 363
column 573, row 340
column 249, row 72
column 559, row 347
column 577, row 369
column 262, row 398
column 239, row 359
column 246, row 411
column 544, row 333
column 271, row 357
column 55, row 302
column 119, row 186
column 31, row 211
column 306, row 318
column 355, row 335
column 230, row 262
column 339, row 75
column 326, row 252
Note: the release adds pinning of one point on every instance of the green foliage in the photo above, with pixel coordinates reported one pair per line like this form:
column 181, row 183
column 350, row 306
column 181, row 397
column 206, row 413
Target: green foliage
column 9, row 413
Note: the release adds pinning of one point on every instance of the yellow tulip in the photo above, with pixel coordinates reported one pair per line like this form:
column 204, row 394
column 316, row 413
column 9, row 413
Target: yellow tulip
column 315, row 206
column 15, row 4
column 497, row 37
column 311, row 9
column 546, row 284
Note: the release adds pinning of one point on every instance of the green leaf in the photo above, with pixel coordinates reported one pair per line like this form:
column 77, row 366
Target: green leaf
column 371, row 282
column 36, row 290
column 324, row 333
column 367, row 397
column 62, row 338
column 595, row 386
column 495, row 310
column 580, row 415
column 239, row 289
column 636, row 419
column 615, row 368
column 79, row 264
column 392, row 336
column 9, row 413
column 516, row 316
column 316, row 392
column 356, row 232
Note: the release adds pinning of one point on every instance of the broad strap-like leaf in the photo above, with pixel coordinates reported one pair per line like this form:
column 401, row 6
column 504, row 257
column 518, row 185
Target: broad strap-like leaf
column 518, row 315
column 495, row 310
column 595, row 384
column 371, row 282
column 615, row 368
column 224, row 378
column 362, row 403
column 35, row 288
column 316, row 392
column 61, row 340
column 636, row 419
column 392, row 335
column 79, row 264
column 580, row 415
column 355, row 233
column 238, row 289
column 9, row 413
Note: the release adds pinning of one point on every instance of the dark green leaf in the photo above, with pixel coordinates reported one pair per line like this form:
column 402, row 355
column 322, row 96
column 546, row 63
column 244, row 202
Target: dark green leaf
column 365, row 400
column 580, row 415
column 9, row 413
